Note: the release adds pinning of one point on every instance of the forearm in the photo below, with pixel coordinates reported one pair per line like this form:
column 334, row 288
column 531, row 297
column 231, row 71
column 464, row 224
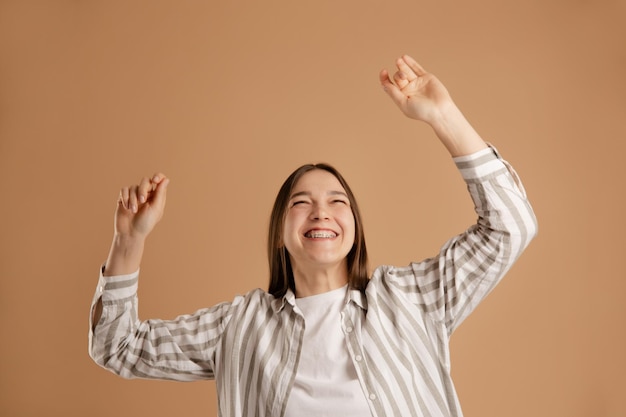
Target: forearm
column 124, row 259
column 455, row 132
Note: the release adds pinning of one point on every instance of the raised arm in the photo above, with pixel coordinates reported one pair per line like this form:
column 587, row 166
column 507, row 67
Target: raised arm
column 449, row 285
column 139, row 209
column 421, row 96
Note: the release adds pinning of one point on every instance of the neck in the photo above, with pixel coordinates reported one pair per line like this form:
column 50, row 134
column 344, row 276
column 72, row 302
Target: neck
column 320, row 280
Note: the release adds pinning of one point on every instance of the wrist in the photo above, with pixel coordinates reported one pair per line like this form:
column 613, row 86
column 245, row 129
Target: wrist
column 128, row 239
column 445, row 118
column 455, row 131
column 125, row 254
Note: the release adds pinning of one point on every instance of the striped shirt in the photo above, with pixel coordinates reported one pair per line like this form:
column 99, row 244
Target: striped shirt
column 397, row 331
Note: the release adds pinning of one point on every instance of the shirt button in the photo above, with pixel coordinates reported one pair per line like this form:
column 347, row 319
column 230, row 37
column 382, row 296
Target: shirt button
column 372, row 397
column 101, row 288
column 349, row 329
column 358, row 358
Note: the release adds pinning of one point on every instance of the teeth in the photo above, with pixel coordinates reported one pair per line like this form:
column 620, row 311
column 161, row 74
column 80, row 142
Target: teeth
column 321, row 234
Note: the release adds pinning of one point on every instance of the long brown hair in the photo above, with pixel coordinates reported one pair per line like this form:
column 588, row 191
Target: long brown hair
column 281, row 274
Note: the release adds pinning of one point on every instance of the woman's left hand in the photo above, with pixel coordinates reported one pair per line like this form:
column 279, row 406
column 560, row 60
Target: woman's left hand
column 419, row 94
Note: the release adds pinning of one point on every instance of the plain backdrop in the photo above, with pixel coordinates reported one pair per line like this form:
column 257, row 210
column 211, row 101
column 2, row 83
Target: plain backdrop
column 227, row 98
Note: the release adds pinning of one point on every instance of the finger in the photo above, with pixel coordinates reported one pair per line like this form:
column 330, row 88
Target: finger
column 157, row 178
column 133, row 198
column 390, row 88
column 413, row 64
column 400, row 79
column 385, row 80
column 160, row 192
column 123, row 198
column 145, row 187
column 405, row 69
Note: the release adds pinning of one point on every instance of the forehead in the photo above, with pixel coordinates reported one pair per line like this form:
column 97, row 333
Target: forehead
column 318, row 179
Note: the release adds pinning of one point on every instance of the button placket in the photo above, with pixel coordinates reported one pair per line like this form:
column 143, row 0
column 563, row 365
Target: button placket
column 356, row 353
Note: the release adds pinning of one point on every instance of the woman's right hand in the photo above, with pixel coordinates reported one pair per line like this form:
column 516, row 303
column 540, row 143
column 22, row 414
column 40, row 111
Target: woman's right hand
column 140, row 207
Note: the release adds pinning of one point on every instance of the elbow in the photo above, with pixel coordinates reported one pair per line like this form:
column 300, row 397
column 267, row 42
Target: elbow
column 99, row 354
column 521, row 228
column 107, row 363
column 96, row 351
column 531, row 228
column 535, row 230
column 520, row 236
column 512, row 237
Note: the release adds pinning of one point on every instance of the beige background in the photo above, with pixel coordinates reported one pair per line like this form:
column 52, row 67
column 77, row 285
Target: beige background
column 228, row 97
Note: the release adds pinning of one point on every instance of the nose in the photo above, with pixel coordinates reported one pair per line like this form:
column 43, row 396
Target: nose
column 319, row 212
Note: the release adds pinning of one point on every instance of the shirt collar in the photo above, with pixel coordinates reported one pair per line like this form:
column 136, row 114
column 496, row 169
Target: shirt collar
column 279, row 303
column 355, row 296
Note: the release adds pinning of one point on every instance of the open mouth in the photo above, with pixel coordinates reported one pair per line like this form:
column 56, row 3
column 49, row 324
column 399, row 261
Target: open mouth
column 320, row 234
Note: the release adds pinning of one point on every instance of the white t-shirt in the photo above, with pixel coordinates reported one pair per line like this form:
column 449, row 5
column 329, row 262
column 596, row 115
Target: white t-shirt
column 326, row 382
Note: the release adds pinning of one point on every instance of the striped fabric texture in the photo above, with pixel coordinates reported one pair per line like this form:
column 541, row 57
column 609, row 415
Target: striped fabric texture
column 397, row 332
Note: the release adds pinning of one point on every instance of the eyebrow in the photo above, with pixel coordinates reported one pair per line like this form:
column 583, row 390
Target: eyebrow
column 308, row 194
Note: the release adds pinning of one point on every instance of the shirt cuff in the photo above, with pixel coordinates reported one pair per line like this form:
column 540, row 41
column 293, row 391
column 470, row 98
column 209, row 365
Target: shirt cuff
column 480, row 164
column 117, row 287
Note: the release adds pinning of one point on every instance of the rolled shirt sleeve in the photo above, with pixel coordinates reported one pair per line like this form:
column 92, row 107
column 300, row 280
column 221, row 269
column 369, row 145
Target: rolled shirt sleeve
column 181, row 349
column 449, row 286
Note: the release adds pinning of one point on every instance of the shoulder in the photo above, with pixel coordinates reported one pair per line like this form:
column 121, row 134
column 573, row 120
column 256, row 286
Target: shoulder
column 396, row 274
column 256, row 298
column 389, row 279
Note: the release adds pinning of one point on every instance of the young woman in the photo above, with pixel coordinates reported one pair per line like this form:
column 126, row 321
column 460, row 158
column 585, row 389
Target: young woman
column 326, row 339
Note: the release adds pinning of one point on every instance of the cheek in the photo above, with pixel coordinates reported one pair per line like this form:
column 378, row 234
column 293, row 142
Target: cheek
column 349, row 225
column 353, row 233
column 285, row 232
column 290, row 225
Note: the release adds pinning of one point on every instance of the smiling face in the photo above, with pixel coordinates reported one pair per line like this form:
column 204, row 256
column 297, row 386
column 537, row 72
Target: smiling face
column 319, row 227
